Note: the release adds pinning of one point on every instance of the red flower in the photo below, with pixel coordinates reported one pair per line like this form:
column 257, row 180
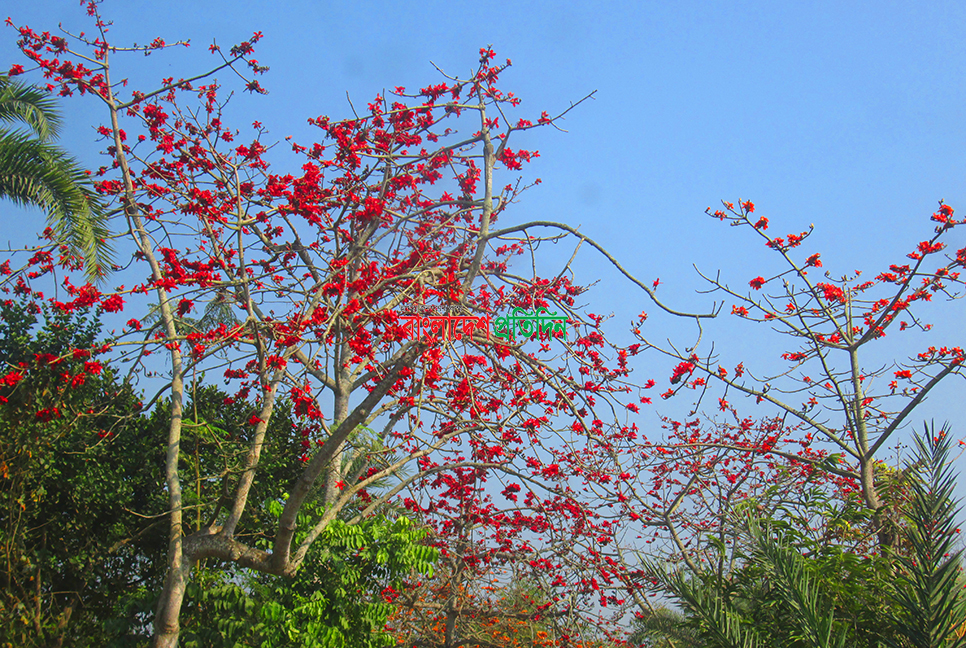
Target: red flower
column 748, row 206
column 684, row 368
column 551, row 471
column 11, row 378
column 925, row 247
column 831, row 293
column 47, row 415
column 757, row 283
column 113, row 304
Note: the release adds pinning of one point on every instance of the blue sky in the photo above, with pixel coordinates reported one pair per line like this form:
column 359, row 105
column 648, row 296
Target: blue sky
column 849, row 116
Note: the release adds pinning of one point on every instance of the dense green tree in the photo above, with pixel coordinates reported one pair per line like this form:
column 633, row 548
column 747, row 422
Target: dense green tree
column 82, row 511
column 33, row 171
column 335, row 600
column 79, row 484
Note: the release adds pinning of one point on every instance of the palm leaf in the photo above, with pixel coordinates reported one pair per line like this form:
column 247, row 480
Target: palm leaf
column 35, row 172
column 931, row 595
column 30, row 106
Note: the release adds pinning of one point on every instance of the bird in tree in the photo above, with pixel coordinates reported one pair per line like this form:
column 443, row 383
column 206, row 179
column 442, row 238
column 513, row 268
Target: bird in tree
column 33, row 171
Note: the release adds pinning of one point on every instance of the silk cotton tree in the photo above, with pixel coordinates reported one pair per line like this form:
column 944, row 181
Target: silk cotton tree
column 296, row 285
column 754, row 436
column 830, row 390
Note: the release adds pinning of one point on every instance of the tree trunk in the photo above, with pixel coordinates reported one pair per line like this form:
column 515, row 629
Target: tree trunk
column 167, row 626
column 64, row 620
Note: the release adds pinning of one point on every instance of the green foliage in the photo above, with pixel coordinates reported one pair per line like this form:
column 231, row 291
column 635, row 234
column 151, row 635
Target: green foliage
column 82, row 504
column 75, row 472
column 930, row 593
column 800, row 589
column 215, row 440
column 716, row 619
column 791, row 587
column 335, row 601
column 663, row 628
column 778, row 598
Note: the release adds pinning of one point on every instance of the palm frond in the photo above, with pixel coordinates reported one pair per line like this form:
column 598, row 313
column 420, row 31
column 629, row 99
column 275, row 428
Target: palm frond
column 664, row 628
column 720, row 623
column 21, row 103
column 35, row 172
column 797, row 589
column 931, row 594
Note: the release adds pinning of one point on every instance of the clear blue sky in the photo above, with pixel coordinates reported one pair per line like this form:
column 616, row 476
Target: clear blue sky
column 848, row 115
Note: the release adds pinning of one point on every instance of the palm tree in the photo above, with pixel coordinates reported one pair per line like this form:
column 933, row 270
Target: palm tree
column 923, row 607
column 35, row 172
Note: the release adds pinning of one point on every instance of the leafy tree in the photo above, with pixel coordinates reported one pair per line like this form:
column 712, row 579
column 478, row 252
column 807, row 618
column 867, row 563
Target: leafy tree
column 78, row 482
column 335, row 600
column 33, row 171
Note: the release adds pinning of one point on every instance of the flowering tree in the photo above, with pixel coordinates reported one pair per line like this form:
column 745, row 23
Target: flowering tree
column 314, row 287
column 823, row 421
column 826, row 386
